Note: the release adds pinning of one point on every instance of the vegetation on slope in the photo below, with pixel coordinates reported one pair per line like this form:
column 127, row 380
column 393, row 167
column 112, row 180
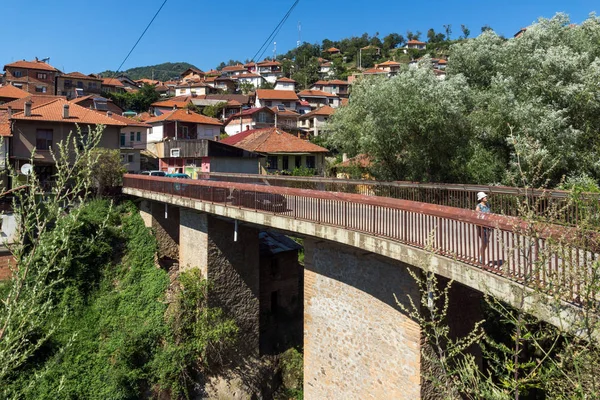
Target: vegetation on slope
column 159, row 72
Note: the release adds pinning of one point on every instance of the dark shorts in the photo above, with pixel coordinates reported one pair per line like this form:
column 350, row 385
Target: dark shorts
column 484, row 233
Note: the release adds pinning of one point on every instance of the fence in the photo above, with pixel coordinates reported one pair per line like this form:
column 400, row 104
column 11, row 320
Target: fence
column 559, row 206
column 557, row 259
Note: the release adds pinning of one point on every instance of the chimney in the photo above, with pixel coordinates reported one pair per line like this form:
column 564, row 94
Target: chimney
column 28, row 108
column 109, row 114
column 174, row 107
column 247, row 127
column 9, row 109
column 65, row 111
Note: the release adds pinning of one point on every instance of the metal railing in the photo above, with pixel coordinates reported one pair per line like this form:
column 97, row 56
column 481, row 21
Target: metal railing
column 558, row 206
column 556, row 259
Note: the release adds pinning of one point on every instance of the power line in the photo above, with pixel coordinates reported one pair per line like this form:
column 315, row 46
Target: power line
column 141, row 36
column 275, row 31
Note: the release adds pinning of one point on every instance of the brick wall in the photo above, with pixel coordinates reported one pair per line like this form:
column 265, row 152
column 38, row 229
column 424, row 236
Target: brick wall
column 357, row 342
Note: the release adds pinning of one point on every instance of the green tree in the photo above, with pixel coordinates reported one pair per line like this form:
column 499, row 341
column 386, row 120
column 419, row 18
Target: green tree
column 448, row 30
column 465, row 31
column 391, row 41
column 214, row 110
column 413, row 125
column 107, row 170
column 246, row 87
column 433, row 37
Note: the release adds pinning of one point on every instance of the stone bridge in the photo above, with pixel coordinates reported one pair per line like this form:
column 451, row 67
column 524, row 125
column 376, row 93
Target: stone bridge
column 359, row 249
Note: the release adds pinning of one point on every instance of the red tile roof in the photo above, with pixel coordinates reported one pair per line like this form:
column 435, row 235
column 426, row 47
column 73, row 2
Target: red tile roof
column 178, row 101
column 249, row 111
column 284, row 79
column 247, row 75
column 268, row 63
column 361, row 160
column 315, row 93
column 184, row 116
column 233, row 68
column 442, row 61
column 128, row 121
column 272, row 140
column 285, row 113
column 78, row 75
column 112, row 82
column 272, row 94
column 323, row 111
column 191, row 84
column 53, row 112
column 12, row 92
column 36, row 100
column 388, row 63
column 415, row 42
column 332, row 50
column 35, row 64
column 375, row 71
column 337, row 82
column 4, row 124
column 213, row 72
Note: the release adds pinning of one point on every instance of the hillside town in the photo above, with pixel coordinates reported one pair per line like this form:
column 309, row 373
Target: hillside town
column 40, row 105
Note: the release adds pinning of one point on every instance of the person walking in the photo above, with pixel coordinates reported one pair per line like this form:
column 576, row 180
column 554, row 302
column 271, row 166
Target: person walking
column 483, row 232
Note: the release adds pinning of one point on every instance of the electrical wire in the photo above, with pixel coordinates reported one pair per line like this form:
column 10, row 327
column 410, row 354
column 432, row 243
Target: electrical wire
column 275, row 31
column 141, row 36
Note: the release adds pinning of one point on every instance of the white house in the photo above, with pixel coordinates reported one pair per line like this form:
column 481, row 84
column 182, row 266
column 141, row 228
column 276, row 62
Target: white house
column 274, row 98
column 254, row 79
column 192, row 88
column 314, row 122
column 285, row 84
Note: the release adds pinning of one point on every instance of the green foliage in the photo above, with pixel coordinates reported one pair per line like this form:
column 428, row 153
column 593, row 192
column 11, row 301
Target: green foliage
column 160, row 72
column 414, row 126
column 292, row 373
column 214, row 111
column 534, row 95
column 246, row 87
column 107, row 170
column 303, row 171
column 199, row 335
column 136, row 101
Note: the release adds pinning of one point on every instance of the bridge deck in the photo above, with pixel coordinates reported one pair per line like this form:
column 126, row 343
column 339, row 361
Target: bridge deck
column 556, row 259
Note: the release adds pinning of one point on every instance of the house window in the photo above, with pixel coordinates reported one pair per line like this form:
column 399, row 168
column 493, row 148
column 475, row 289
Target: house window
column 138, row 136
column 285, row 163
column 43, row 139
column 40, row 89
column 262, row 117
column 68, row 83
column 286, row 104
column 184, row 131
column 18, row 74
column 298, row 162
column 123, row 158
column 80, row 84
column 272, row 162
column 42, row 75
column 268, row 103
column 122, row 139
column 92, row 84
column 129, row 158
column 131, row 136
column 310, row 161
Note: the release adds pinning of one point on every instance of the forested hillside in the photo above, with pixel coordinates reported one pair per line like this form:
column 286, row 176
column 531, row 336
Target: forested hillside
column 160, row 72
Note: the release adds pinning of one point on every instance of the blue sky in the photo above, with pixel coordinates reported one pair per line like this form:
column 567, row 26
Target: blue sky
column 89, row 36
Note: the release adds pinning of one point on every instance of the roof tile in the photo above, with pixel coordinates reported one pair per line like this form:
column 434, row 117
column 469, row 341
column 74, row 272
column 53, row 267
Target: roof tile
column 272, row 140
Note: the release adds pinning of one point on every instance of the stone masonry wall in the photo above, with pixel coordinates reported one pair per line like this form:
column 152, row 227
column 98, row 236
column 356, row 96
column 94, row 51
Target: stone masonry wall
column 357, row 342
column 234, row 272
column 166, row 229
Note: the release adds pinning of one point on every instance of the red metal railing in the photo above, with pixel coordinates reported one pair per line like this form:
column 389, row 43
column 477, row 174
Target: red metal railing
column 555, row 205
column 557, row 259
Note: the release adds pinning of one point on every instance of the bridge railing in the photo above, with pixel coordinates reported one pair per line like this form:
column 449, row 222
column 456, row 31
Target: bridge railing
column 557, row 259
column 556, row 205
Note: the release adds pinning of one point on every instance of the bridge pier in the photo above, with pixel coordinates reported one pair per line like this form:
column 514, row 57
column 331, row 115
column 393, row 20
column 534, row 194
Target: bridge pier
column 207, row 243
column 357, row 342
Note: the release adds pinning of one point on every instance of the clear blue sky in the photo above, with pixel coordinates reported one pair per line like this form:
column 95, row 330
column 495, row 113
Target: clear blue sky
column 92, row 36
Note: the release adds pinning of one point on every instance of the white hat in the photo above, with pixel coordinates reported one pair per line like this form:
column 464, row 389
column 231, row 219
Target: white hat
column 481, row 195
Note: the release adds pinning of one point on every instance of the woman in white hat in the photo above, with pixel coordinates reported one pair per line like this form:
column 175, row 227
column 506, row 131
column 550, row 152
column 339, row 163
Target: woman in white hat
column 484, row 233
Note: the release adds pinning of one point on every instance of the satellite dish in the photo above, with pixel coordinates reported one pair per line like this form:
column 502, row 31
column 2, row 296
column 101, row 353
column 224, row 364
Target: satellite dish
column 26, row 169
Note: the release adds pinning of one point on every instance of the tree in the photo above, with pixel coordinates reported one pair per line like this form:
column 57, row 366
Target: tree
column 413, row 36
column 107, row 170
column 214, row 110
column 30, row 313
column 246, row 87
column 391, row 41
column 486, row 28
column 433, row 37
column 465, row 31
column 448, row 29
column 413, row 125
